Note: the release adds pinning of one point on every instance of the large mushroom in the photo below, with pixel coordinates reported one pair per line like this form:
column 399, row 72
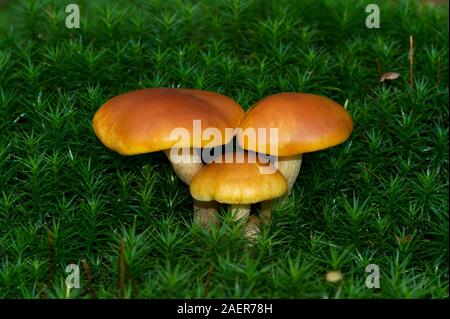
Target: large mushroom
column 143, row 121
column 305, row 123
column 235, row 180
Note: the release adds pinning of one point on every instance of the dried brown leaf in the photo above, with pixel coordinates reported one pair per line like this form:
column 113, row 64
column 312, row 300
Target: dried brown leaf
column 404, row 240
column 389, row 76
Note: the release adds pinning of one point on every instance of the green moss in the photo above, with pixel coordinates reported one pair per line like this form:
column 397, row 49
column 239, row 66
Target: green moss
column 381, row 197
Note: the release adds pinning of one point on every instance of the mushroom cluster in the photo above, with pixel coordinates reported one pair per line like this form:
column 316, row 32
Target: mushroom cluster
column 143, row 121
column 304, row 122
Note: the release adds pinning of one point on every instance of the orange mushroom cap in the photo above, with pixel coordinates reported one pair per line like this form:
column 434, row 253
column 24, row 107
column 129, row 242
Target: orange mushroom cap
column 305, row 123
column 142, row 121
column 236, row 180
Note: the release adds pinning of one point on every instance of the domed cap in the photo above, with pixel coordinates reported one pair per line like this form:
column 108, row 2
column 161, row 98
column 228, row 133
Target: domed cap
column 305, row 123
column 142, row 121
column 236, row 181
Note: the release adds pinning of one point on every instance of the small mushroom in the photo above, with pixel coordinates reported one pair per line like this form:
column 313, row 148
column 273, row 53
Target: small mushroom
column 143, row 121
column 235, row 180
column 305, row 123
column 252, row 229
column 333, row 276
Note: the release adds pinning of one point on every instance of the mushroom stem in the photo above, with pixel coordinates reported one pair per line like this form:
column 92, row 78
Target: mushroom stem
column 206, row 214
column 240, row 212
column 252, row 229
column 266, row 211
column 186, row 165
column 289, row 166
